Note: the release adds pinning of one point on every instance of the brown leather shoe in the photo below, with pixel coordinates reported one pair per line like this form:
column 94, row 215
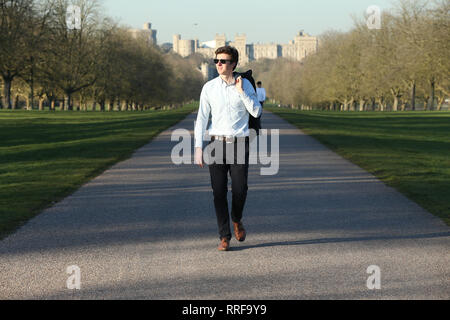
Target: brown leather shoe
column 224, row 244
column 239, row 231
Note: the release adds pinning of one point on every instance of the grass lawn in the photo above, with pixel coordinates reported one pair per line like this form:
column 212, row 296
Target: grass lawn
column 409, row 151
column 46, row 156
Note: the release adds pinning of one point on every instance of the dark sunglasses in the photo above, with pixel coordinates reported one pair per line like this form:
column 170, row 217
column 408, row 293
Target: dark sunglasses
column 222, row 61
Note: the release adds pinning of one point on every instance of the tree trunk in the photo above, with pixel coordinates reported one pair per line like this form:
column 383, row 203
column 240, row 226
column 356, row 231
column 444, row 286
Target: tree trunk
column 41, row 104
column 395, row 105
column 82, row 104
column 27, row 103
column 373, row 100
column 16, row 102
column 31, row 83
column 68, row 101
column 345, row 105
column 440, row 101
column 362, row 103
column 352, row 104
column 118, row 105
column 413, row 96
column 94, row 105
column 102, row 105
column 52, row 105
column 425, row 103
column 403, row 105
column 396, row 95
column 380, row 101
column 110, row 105
column 30, row 100
column 7, row 92
column 433, row 95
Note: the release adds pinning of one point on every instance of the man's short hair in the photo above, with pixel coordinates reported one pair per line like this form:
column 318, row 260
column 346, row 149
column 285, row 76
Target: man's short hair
column 259, row 83
column 232, row 51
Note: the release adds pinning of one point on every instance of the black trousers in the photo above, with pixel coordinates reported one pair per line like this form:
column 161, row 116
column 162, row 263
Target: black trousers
column 219, row 181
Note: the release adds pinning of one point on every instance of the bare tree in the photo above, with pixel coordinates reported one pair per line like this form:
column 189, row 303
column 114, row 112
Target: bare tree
column 17, row 28
column 73, row 52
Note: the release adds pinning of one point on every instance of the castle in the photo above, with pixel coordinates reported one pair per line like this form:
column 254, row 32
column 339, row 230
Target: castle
column 297, row 49
column 146, row 32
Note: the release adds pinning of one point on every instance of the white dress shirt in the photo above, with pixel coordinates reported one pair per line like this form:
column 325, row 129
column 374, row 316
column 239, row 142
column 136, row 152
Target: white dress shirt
column 261, row 93
column 228, row 108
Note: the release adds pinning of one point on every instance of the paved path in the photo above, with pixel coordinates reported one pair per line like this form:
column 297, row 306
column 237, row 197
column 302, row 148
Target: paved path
column 146, row 229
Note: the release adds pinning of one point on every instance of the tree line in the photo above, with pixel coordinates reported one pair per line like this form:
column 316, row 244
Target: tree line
column 404, row 65
column 47, row 59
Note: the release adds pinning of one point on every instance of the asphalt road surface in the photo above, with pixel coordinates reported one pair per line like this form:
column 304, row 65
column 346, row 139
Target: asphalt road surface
column 146, row 229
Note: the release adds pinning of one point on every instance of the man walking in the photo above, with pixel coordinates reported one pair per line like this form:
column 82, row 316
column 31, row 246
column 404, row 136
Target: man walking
column 229, row 101
column 261, row 93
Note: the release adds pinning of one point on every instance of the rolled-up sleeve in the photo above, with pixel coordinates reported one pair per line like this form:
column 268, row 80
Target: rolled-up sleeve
column 202, row 119
column 250, row 99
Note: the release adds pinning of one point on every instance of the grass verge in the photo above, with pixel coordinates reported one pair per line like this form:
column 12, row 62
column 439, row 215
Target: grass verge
column 409, row 151
column 46, row 156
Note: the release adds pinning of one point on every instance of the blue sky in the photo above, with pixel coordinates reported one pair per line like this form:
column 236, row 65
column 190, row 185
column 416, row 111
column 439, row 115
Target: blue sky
column 262, row 21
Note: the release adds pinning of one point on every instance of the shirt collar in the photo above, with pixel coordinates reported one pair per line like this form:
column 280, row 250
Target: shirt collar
column 225, row 84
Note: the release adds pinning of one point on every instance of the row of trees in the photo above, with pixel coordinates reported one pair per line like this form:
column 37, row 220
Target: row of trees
column 405, row 65
column 45, row 60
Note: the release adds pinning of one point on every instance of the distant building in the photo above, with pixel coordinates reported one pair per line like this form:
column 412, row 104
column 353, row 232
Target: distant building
column 183, row 47
column 208, row 48
column 209, row 71
column 166, row 47
column 240, row 43
column 146, row 32
column 267, row 51
column 297, row 49
column 302, row 46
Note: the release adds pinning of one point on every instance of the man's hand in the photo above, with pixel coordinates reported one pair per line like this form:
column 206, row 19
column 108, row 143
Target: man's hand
column 199, row 157
column 239, row 85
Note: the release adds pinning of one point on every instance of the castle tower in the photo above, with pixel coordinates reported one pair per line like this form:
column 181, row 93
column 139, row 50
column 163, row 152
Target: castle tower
column 146, row 33
column 305, row 45
column 221, row 40
column 197, row 44
column 183, row 47
column 151, row 34
column 176, row 39
column 240, row 44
